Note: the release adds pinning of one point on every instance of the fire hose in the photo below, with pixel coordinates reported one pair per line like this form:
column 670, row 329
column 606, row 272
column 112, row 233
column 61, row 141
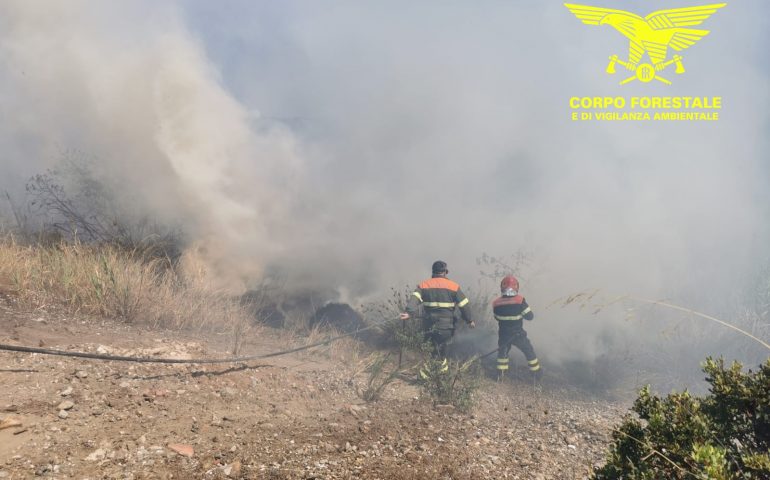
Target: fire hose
column 121, row 358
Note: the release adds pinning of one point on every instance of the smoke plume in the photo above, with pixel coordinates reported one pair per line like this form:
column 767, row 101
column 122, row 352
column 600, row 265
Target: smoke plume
column 345, row 146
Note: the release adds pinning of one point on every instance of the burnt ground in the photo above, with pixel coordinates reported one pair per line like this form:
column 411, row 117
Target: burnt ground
column 292, row 417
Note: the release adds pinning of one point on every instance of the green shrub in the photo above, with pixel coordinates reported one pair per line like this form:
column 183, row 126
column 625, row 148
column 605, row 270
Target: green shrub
column 405, row 336
column 724, row 435
column 451, row 383
column 378, row 377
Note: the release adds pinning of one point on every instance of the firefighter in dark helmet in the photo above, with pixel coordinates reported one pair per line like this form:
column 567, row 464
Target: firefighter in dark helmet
column 439, row 297
column 510, row 311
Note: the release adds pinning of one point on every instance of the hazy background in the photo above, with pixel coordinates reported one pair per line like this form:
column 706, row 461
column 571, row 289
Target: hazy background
column 347, row 145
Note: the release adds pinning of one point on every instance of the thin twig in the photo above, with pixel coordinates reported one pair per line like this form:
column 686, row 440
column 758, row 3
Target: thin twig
column 564, row 301
column 702, row 315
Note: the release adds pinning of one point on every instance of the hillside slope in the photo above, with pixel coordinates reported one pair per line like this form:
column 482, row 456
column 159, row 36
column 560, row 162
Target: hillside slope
column 294, row 417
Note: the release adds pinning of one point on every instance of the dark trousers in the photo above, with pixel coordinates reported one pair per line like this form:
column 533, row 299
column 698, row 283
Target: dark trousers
column 436, row 333
column 512, row 334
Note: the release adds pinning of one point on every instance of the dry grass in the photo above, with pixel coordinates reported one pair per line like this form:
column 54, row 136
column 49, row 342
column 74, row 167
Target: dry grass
column 114, row 283
column 298, row 331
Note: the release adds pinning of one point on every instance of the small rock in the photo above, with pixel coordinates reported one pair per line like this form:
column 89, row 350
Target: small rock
column 42, row 470
column 412, row 456
column 182, row 449
column 66, row 392
column 66, row 405
column 124, row 384
column 572, row 447
column 357, row 410
column 96, row 455
column 10, row 422
column 81, row 374
column 228, row 392
column 63, row 414
column 235, row 468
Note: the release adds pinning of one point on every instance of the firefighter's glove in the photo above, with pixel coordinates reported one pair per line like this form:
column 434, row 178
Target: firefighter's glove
column 404, row 316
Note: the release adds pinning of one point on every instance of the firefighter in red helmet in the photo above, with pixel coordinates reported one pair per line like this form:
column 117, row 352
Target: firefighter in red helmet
column 510, row 310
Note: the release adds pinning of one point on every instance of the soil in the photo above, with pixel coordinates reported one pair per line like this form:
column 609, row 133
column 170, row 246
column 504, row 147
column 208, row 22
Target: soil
column 293, row 417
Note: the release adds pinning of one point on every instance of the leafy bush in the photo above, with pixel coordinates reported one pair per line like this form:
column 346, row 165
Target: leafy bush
column 725, row 435
column 451, row 383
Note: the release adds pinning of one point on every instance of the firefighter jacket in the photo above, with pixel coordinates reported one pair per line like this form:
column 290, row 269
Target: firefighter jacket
column 439, row 296
column 510, row 311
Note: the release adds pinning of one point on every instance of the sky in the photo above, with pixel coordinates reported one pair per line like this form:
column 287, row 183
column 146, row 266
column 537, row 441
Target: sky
column 346, row 145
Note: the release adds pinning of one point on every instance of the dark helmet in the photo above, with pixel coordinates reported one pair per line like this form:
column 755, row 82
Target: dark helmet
column 439, row 267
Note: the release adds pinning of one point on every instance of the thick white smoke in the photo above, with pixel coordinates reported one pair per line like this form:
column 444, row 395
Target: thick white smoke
column 131, row 87
column 394, row 134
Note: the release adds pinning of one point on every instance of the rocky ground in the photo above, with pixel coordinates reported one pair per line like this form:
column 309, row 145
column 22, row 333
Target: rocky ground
column 295, row 417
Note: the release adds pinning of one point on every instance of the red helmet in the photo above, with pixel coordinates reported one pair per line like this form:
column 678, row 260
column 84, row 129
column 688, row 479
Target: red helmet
column 509, row 286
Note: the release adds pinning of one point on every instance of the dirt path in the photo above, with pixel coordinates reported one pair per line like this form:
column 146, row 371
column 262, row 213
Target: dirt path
column 296, row 416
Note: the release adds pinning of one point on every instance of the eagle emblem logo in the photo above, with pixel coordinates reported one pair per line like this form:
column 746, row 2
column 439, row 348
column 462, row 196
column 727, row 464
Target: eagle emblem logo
column 653, row 34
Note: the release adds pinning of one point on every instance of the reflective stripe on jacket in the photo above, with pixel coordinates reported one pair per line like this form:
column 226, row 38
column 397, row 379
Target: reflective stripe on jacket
column 439, row 296
column 512, row 309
